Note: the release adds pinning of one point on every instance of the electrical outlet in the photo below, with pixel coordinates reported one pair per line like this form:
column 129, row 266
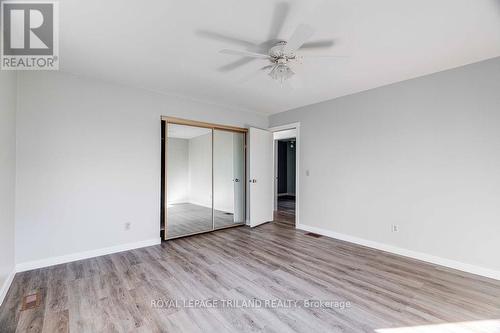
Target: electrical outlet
column 395, row 228
column 128, row 225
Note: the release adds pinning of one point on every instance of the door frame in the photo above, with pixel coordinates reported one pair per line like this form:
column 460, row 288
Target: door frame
column 280, row 128
column 165, row 120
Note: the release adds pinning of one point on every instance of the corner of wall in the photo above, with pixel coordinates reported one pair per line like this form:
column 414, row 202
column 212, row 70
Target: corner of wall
column 6, row 285
column 9, row 173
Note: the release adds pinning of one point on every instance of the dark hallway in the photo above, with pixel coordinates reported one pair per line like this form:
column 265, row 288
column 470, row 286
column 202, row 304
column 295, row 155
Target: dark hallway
column 285, row 208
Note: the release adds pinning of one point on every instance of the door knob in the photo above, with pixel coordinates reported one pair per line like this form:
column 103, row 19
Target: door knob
column 252, row 181
column 236, row 180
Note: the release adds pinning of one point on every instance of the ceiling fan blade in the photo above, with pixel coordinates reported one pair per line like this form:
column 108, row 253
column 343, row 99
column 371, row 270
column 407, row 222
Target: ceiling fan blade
column 223, row 38
column 318, row 44
column 235, row 64
column 319, row 56
column 245, row 54
column 253, row 74
column 299, row 37
column 280, row 14
column 267, row 67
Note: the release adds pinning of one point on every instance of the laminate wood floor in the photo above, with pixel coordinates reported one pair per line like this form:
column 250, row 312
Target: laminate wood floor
column 286, row 204
column 387, row 293
column 286, row 210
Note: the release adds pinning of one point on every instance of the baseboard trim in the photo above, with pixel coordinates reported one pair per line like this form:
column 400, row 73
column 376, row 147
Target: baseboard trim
column 6, row 285
column 486, row 272
column 27, row 266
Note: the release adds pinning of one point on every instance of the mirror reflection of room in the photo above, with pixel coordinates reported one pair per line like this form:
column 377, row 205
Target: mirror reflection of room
column 205, row 171
column 189, row 180
column 229, row 175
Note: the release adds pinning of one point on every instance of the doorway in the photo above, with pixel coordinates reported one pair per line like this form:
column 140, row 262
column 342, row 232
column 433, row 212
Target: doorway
column 285, row 180
column 286, row 174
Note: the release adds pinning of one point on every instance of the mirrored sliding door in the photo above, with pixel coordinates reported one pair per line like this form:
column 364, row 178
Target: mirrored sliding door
column 229, row 176
column 189, row 180
column 204, row 179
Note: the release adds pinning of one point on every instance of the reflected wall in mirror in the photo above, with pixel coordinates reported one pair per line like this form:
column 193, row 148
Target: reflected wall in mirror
column 189, row 180
column 229, row 178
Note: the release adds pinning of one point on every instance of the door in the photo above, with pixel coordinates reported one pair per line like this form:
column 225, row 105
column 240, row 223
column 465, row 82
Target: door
column 204, row 177
column 261, row 176
column 189, row 180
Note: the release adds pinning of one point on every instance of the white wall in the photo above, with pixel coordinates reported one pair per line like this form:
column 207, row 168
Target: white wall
column 423, row 154
column 88, row 157
column 178, row 170
column 8, row 97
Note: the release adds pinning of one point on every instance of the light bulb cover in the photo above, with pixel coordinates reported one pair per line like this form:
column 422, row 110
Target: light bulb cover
column 281, row 72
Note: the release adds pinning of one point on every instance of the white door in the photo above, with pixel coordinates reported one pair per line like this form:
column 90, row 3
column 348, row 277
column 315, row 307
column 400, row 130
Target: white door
column 261, row 176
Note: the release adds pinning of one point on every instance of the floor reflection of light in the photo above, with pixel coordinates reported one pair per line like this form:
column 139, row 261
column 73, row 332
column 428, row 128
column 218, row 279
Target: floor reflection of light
column 480, row 326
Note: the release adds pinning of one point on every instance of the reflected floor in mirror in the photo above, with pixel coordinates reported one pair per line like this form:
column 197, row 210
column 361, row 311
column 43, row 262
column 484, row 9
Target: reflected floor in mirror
column 188, row 218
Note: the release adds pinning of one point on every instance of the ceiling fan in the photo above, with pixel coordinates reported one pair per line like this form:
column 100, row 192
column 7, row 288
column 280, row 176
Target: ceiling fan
column 280, row 54
column 283, row 53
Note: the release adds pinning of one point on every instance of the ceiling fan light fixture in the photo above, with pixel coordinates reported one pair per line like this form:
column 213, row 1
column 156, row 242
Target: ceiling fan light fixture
column 281, row 73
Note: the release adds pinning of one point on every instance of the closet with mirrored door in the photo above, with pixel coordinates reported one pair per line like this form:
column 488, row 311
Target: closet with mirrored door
column 203, row 177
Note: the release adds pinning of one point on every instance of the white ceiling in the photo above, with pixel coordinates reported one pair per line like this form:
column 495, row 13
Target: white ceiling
column 171, row 46
column 186, row 132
